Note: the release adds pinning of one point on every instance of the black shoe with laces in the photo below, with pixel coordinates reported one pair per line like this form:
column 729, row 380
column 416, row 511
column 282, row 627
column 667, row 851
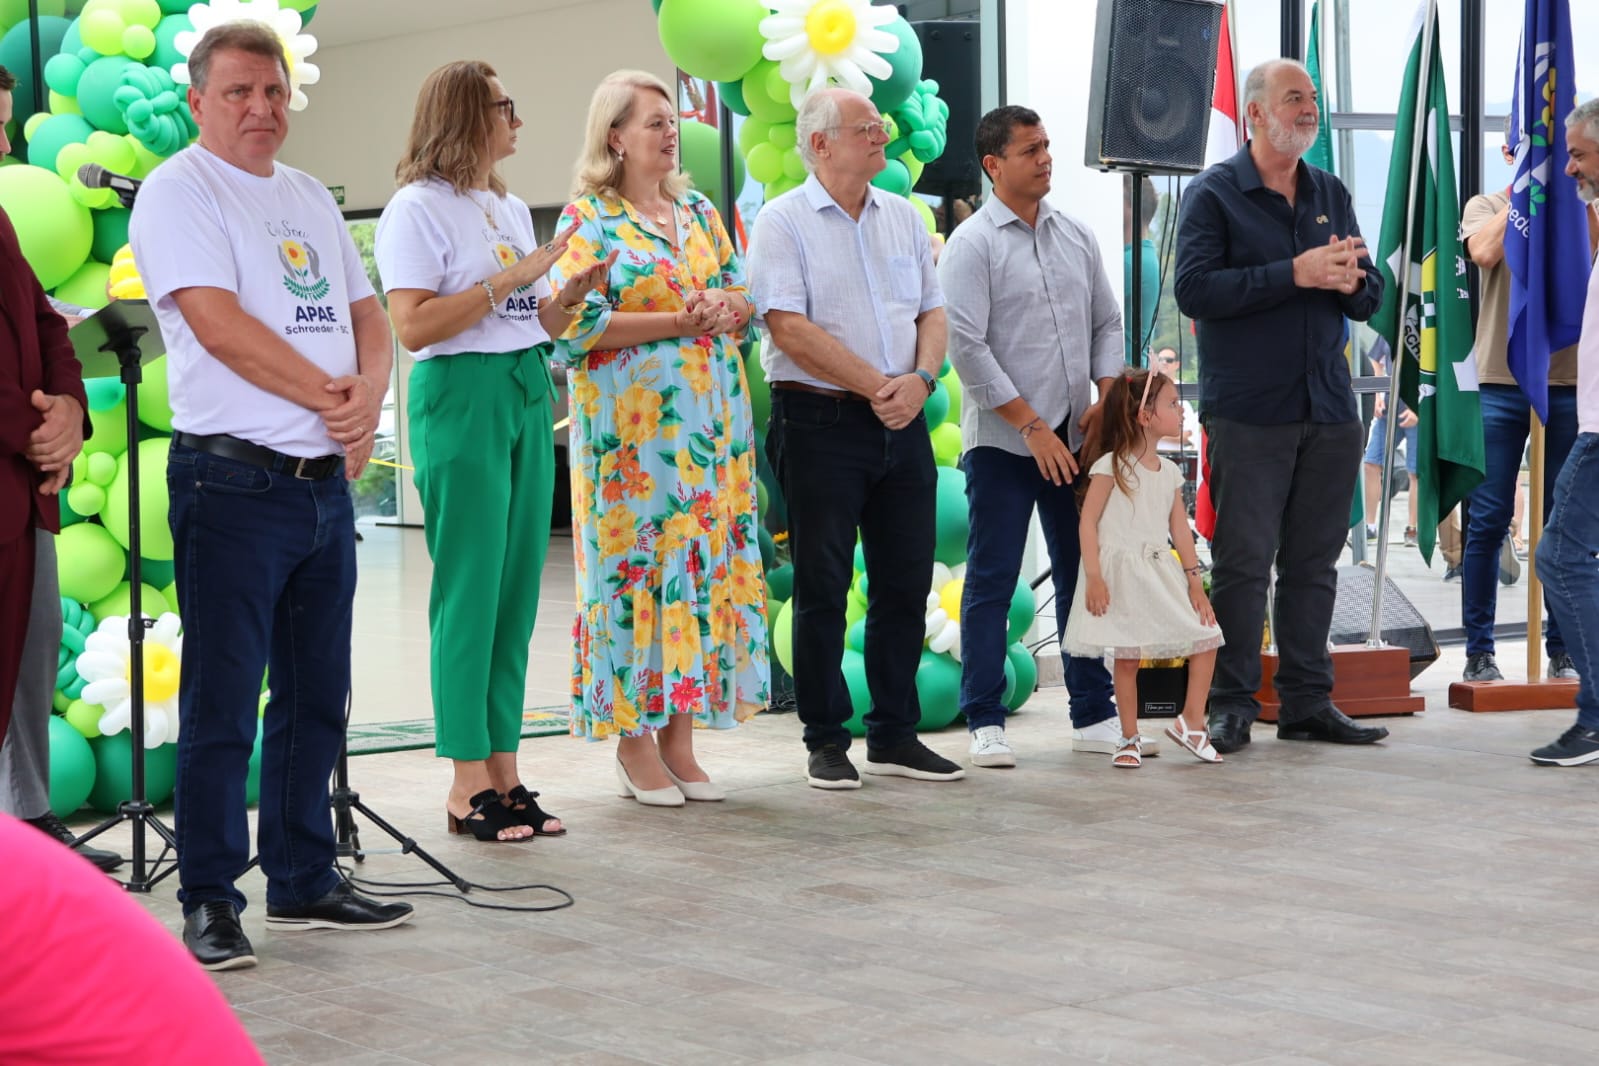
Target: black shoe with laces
column 1480, row 666
column 1562, row 668
column 215, row 939
column 913, row 759
column 1575, row 747
column 49, row 823
column 342, row 908
column 829, row 767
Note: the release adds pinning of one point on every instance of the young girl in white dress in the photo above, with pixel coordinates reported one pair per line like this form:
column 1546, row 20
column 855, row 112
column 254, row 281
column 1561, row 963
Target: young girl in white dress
column 1135, row 600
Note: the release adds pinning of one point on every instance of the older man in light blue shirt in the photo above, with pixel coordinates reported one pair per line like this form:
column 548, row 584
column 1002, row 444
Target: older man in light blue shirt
column 1034, row 327
column 842, row 275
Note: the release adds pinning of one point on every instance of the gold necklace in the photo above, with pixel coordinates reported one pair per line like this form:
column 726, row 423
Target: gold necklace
column 488, row 215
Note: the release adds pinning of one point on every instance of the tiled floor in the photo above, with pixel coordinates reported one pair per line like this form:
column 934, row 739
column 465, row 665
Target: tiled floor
column 1427, row 901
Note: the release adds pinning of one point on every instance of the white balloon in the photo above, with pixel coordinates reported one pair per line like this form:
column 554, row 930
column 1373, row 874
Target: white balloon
column 932, row 601
column 941, row 576
column 936, row 620
column 945, row 638
column 955, row 648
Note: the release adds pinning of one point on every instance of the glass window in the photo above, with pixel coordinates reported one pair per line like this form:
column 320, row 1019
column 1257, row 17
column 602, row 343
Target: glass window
column 376, row 491
column 1502, row 33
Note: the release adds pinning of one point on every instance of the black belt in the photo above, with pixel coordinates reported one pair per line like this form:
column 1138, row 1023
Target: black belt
column 817, row 390
column 316, row 468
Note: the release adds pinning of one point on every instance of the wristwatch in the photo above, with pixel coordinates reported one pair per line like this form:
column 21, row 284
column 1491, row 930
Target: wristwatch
column 927, row 379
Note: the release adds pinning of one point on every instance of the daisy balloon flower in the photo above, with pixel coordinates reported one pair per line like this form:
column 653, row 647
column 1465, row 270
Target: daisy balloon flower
column 817, row 42
column 107, row 667
column 297, row 46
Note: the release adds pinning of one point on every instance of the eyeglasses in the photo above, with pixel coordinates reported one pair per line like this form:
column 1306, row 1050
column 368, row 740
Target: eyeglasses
column 1168, row 362
column 508, row 107
column 865, row 129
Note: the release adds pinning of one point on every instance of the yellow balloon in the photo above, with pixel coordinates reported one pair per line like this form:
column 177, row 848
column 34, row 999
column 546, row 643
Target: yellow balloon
column 160, row 673
column 949, row 598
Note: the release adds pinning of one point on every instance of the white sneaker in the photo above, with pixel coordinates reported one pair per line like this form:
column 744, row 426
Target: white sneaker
column 1102, row 738
column 989, row 747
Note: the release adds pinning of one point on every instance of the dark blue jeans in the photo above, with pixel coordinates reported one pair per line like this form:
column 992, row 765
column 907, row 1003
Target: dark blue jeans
column 1568, row 566
column 842, row 470
column 265, row 567
column 1506, row 421
column 1282, row 496
column 1001, row 491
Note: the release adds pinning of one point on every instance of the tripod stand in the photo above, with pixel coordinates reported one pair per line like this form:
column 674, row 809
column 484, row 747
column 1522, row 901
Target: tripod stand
column 346, row 800
column 109, row 343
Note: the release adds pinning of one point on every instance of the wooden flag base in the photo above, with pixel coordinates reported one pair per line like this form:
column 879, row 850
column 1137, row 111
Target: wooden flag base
column 1481, row 696
column 1366, row 682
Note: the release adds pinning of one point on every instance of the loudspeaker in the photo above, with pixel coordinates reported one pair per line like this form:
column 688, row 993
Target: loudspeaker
column 951, row 54
column 1154, row 75
column 1402, row 625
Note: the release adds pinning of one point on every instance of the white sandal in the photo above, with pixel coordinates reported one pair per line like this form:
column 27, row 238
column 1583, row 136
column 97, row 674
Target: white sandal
column 1129, row 754
column 1195, row 741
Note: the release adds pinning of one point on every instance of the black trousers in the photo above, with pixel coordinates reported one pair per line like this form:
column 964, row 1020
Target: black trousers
column 843, row 471
column 1282, row 496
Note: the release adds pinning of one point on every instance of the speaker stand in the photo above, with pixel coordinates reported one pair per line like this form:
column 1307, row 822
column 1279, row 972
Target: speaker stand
column 1480, row 696
column 1367, row 682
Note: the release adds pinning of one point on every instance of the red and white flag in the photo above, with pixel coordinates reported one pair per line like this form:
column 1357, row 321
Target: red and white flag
column 1226, row 135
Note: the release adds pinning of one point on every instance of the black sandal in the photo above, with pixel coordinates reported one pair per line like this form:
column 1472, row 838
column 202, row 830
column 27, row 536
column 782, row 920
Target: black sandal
column 487, row 819
column 525, row 810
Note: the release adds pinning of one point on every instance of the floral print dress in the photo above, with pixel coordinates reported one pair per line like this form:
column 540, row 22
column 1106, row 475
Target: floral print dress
column 671, row 597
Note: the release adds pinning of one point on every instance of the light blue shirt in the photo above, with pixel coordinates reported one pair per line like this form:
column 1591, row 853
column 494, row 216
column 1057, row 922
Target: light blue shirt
column 865, row 283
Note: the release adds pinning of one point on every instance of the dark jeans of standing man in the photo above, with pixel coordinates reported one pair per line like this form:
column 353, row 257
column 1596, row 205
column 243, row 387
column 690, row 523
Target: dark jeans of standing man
column 1001, row 491
column 1282, row 495
column 265, row 568
column 841, row 470
column 1566, row 566
column 1506, row 421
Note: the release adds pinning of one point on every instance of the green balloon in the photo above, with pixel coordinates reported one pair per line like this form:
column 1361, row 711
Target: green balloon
column 926, row 212
column 156, row 541
column 938, row 689
column 16, row 53
column 157, row 572
column 104, row 393
column 780, row 579
column 96, row 91
column 71, row 767
column 85, row 719
column 855, row 637
column 110, row 429
column 90, row 562
column 87, row 287
column 888, row 93
column 853, row 665
column 252, row 776
column 751, row 133
column 1023, row 608
column 732, row 94
column 55, row 231
column 854, row 608
column 1010, row 684
column 783, row 636
column 1025, row 667
column 170, row 594
column 760, row 393
column 166, row 54
column 54, row 134
column 765, row 163
column 768, row 548
column 700, row 148
column 85, row 499
column 155, row 404
column 783, row 135
column 937, row 405
column 759, row 96
column 894, row 178
column 946, row 444
column 110, row 233
column 113, row 777
column 952, row 386
column 951, row 521
column 14, row 11
column 100, row 467
column 119, row 603
column 718, row 40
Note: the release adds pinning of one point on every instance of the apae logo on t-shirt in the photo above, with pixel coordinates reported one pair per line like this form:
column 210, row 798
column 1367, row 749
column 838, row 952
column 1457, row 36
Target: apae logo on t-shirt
column 303, row 269
column 521, row 304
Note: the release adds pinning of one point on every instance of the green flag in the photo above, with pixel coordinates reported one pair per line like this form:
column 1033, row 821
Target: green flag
column 1320, row 154
column 1432, row 337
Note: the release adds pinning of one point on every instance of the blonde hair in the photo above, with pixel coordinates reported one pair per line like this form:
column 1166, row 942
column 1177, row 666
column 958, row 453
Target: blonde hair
column 599, row 171
column 450, row 130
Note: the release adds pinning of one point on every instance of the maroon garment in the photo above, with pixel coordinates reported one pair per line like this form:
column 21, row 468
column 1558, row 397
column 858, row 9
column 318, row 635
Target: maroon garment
column 34, row 354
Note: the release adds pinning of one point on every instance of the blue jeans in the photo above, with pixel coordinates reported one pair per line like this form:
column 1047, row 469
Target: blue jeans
column 1406, row 438
column 841, row 471
column 265, row 567
column 1568, row 566
column 1506, row 421
column 1001, row 491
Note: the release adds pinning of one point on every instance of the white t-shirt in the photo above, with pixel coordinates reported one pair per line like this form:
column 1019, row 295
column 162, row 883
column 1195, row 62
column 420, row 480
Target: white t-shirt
column 436, row 239
column 1588, row 361
column 281, row 246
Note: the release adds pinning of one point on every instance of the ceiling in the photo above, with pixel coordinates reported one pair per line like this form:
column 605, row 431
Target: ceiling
column 343, row 22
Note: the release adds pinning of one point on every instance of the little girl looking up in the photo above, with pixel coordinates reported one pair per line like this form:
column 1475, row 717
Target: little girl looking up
column 1134, row 599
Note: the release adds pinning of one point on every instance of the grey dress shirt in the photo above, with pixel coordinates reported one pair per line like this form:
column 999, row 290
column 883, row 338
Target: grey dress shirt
column 1031, row 313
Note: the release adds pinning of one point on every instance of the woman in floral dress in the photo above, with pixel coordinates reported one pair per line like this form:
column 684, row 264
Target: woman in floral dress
column 671, row 622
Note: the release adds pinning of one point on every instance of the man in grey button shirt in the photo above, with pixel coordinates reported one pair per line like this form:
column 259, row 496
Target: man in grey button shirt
column 1034, row 327
column 842, row 275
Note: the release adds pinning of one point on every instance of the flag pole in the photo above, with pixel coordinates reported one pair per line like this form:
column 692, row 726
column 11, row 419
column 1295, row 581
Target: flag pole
column 1397, row 356
column 1534, row 526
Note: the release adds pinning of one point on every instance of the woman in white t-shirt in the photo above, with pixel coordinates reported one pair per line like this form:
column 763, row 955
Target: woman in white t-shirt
column 464, row 276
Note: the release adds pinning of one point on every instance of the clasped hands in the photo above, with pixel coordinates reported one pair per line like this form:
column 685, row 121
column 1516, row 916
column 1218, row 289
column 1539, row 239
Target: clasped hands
column 353, row 422
column 57, row 441
column 1334, row 266
column 711, row 313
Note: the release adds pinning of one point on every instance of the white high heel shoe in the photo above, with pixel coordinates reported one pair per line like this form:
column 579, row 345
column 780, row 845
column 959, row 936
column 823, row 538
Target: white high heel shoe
column 704, row 791
column 669, row 796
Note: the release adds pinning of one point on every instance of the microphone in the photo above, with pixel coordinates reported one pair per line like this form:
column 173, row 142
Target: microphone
column 95, row 176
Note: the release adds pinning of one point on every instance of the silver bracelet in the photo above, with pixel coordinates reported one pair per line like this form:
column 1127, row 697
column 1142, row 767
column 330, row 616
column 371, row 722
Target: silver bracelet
column 488, row 287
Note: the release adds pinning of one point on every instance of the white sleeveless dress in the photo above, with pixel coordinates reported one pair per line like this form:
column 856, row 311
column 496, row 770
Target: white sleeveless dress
column 1150, row 616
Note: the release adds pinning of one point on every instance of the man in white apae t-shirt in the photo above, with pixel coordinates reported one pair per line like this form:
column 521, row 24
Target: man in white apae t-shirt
column 279, row 358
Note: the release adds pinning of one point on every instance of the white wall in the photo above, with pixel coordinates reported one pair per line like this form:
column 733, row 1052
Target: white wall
column 354, row 129
column 1049, row 57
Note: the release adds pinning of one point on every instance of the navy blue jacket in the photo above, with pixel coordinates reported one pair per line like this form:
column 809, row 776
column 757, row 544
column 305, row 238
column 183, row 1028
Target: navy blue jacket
column 1270, row 353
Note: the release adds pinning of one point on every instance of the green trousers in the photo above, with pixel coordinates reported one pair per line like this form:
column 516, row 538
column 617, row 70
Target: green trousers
column 484, row 452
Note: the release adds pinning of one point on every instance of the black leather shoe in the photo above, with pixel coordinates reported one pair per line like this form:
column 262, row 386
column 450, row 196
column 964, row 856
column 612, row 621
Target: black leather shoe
column 1229, row 731
column 215, row 939
column 342, row 908
column 49, row 823
column 1329, row 724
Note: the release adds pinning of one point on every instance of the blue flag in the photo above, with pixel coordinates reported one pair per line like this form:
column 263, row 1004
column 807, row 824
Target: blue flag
column 1546, row 238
